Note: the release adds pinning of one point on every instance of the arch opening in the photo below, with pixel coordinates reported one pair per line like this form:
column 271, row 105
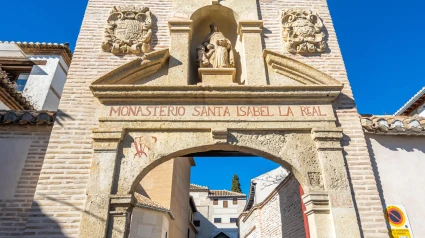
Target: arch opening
column 224, row 207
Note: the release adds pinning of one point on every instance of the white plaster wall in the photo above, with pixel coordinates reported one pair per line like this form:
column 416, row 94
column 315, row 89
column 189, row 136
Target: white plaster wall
column 41, row 78
column 3, row 106
column 13, row 153
column 267, row 182
column 207, row 212
column 148, row 224
column 399, row 163
column 421, row 110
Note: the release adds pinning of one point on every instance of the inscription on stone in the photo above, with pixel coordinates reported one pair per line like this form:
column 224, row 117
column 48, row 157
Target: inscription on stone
column 219, row 111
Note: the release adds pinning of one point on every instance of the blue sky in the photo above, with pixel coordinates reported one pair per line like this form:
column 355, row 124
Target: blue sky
column 381, row 42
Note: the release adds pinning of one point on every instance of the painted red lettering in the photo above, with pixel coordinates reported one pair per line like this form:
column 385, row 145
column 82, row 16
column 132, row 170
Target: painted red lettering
column 124, row 112
column 181, row 111
column 226, row 111
column 197, row 112
column 288, row 112
column 115, row 111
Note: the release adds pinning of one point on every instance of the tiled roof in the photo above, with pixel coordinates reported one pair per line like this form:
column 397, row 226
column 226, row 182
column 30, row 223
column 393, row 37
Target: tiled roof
column 41, row 45
column 197, row 187
column 225, row 193
column 26, row 117
column 10, row 96
column 393, row 125
column 145, row 202
column 416, row 101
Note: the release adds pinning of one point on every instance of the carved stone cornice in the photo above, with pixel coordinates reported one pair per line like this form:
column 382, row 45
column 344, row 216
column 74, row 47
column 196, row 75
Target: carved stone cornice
column 179, row 25
column 120, row 204
column 316, row 203
column 393, row 125
column 254, row 26
column 327, row 139
column 135, row 70
column 219, row 135
column 298, row 71
column 106, row 139
column 193, row 93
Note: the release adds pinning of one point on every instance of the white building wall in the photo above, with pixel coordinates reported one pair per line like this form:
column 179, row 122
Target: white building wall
column 14, row 152
column 266, row 183
column 207, row 212
column 44, row 77
column 148, row 224
column 3, row 106
column 399, row 165
column 279, row 216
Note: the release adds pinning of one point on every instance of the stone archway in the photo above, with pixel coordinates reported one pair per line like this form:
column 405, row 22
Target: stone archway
column 284, row 114
column 313, row 156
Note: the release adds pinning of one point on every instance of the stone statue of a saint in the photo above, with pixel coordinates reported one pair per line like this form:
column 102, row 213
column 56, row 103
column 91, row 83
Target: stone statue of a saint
column 215, row 51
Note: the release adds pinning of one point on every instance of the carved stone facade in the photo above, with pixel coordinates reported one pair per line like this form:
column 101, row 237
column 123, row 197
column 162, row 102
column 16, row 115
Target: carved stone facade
column 129, row 30
column 303, row 31
column 131, row 114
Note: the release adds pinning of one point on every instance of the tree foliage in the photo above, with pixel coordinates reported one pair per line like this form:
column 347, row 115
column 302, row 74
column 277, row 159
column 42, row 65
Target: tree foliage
column 236, row 186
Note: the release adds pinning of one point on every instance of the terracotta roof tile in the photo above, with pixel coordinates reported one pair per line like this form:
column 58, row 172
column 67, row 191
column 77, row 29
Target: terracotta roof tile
column 393, row 125
column 143, row 200
column 26, row 117
column 225, row 193
column 10, row 95
column 197, row 187
column 41, row 45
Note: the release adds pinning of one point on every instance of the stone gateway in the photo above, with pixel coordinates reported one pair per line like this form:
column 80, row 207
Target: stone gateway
column 151, row 87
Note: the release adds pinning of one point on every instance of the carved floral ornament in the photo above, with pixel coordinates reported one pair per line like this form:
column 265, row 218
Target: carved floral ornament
column 303, row 31
column 129, row 30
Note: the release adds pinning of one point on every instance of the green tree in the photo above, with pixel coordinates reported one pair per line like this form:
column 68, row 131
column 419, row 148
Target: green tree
column 236, row 186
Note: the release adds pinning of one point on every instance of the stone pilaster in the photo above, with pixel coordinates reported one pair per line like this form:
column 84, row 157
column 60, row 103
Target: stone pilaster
column 96, row 213
column 317, row 211
column 181, row 33
column 120, row 211
column 254, row 68
column 328, row 144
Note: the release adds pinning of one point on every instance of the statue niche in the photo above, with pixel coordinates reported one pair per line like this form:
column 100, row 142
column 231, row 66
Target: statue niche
column 215, row 59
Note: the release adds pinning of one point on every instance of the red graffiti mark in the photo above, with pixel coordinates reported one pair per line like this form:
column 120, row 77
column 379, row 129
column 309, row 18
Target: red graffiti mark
column 143, row 145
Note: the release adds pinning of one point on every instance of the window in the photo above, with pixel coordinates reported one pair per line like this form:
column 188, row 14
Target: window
column 233, row 220
column 215, row 202
column 217, row 220
column 22, row 81
column 225, row 205
column 235, row 201
column 197, row 223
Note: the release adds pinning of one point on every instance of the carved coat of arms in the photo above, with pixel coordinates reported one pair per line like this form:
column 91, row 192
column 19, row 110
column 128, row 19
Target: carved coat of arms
column 303, row 31
column 129, row 30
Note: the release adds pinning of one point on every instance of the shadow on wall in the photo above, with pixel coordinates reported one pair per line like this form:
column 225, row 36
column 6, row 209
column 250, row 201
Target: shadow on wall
column 38, row 221
column 207, row 229
column 291, row 214
column 376, row 172
column 48, row 226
